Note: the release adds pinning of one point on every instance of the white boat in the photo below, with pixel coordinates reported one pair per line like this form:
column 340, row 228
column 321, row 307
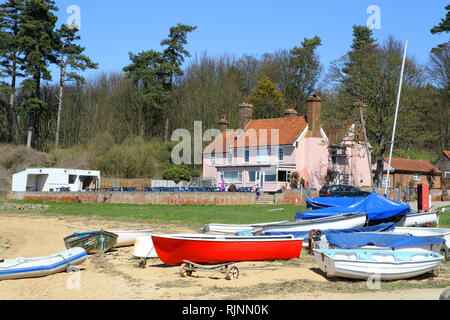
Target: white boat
column 425, row 232
column 435, row 246
column 143, row 248
column 235, row 228
column 341, row 221
column 128, row 237
column 376, row 264
column 419, row 219
column 41, row 266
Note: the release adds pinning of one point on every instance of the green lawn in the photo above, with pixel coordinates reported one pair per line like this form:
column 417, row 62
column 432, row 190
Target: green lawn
column 194, row 215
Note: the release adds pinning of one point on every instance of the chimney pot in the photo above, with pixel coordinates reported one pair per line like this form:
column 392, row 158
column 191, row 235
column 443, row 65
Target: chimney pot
column 245, row 114
column 313, row 115
column 290, row 112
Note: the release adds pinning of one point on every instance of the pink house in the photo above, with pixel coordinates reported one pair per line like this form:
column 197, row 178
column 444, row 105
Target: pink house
column 266, row 152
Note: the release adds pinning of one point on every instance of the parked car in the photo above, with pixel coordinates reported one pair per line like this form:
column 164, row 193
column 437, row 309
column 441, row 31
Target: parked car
column 341, row 190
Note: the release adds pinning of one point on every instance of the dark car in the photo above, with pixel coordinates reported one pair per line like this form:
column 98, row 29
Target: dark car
column 341, row 190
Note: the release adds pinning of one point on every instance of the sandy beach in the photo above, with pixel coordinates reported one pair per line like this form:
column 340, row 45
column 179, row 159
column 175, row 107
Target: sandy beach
column 116, row 275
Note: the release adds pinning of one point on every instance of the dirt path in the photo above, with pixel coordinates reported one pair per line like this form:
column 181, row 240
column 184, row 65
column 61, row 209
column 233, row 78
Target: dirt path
column 116, row 275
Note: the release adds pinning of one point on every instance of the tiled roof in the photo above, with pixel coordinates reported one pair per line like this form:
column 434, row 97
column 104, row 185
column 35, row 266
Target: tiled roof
column 412, row 165
column 447, row 153
column 289, row 129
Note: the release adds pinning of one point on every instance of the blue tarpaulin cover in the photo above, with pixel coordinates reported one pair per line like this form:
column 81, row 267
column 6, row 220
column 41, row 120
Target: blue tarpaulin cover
column 305, row 234
column 358, row 239
column 374, row 205
column 325, row 202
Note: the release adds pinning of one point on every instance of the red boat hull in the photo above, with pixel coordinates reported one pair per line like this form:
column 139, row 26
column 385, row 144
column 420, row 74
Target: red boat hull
column 172, row 250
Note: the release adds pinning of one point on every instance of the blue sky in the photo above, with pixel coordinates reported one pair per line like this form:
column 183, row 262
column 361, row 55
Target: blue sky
column 111, row 29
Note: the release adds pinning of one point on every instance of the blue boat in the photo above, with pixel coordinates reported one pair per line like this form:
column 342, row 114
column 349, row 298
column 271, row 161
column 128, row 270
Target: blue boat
column 326, row 202
column 387, row 240
column 378, row 209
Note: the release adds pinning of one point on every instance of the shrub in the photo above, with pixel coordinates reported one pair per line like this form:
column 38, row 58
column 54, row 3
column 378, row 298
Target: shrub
column 179, row 173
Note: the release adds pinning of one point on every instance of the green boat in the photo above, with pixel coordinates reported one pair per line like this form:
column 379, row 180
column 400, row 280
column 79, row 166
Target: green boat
column 93, row 241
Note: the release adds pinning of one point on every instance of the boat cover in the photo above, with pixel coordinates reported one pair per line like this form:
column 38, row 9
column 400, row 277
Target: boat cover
column 353, row 240
column 325, row 202
column 305, row 234
column 375, row 206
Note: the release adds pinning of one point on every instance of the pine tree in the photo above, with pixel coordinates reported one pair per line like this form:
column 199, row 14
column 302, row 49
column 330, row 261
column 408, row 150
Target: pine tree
column 304, row 69
column 70, row 56
column 175, row 54
column 39, row 42
column 10, row 55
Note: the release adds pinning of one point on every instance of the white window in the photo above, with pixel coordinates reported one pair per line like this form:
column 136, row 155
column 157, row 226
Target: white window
column 384, row 182
column 280, row 154
column 416, row 177
column 247, row 155
column 447, row 174
column 229, row 159
column 231, row 176
column 263, row 155
column 213, row 159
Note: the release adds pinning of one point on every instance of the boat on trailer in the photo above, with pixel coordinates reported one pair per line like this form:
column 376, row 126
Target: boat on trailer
column 41, row 266
column 376, row 264
column 144, row 248
column 199, row 248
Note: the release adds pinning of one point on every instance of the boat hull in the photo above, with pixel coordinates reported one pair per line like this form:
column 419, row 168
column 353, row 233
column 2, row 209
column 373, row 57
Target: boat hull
column 92, row 242
column 235, row 228
column 41, row 266
column 384, row 266
column 144, row 248
column 173, row 249
column 128, row 237
column 420, row 219
column 345, row 221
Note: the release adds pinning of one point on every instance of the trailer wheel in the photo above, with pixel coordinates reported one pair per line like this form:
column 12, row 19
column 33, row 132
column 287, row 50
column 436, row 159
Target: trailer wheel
column 232, row 273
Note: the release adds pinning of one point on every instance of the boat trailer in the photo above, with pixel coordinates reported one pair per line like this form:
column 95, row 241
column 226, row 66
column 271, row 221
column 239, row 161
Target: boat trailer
column 231, row 272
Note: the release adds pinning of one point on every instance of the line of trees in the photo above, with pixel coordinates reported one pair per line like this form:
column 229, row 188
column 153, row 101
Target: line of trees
column 159, row 91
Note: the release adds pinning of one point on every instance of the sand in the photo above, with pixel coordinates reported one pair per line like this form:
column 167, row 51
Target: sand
column 116, row 275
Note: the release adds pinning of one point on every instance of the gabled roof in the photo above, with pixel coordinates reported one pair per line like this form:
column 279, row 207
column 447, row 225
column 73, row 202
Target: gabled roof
column 258, row 133
column 411, row 165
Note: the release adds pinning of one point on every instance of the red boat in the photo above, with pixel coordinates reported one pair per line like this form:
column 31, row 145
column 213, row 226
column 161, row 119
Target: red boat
column 200, row 248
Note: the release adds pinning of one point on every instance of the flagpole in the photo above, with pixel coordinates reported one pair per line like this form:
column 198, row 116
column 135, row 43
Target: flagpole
column 395, row 119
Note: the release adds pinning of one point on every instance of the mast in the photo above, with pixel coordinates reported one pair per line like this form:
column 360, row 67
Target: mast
column 395, row 119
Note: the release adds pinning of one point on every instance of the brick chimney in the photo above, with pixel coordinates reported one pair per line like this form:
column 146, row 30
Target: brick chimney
column 313, row 115
column 290, row 112
column 245, row 114
column 223, row 124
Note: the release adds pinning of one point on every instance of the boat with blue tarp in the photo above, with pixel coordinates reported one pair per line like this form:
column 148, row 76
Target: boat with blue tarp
column 377, row 208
